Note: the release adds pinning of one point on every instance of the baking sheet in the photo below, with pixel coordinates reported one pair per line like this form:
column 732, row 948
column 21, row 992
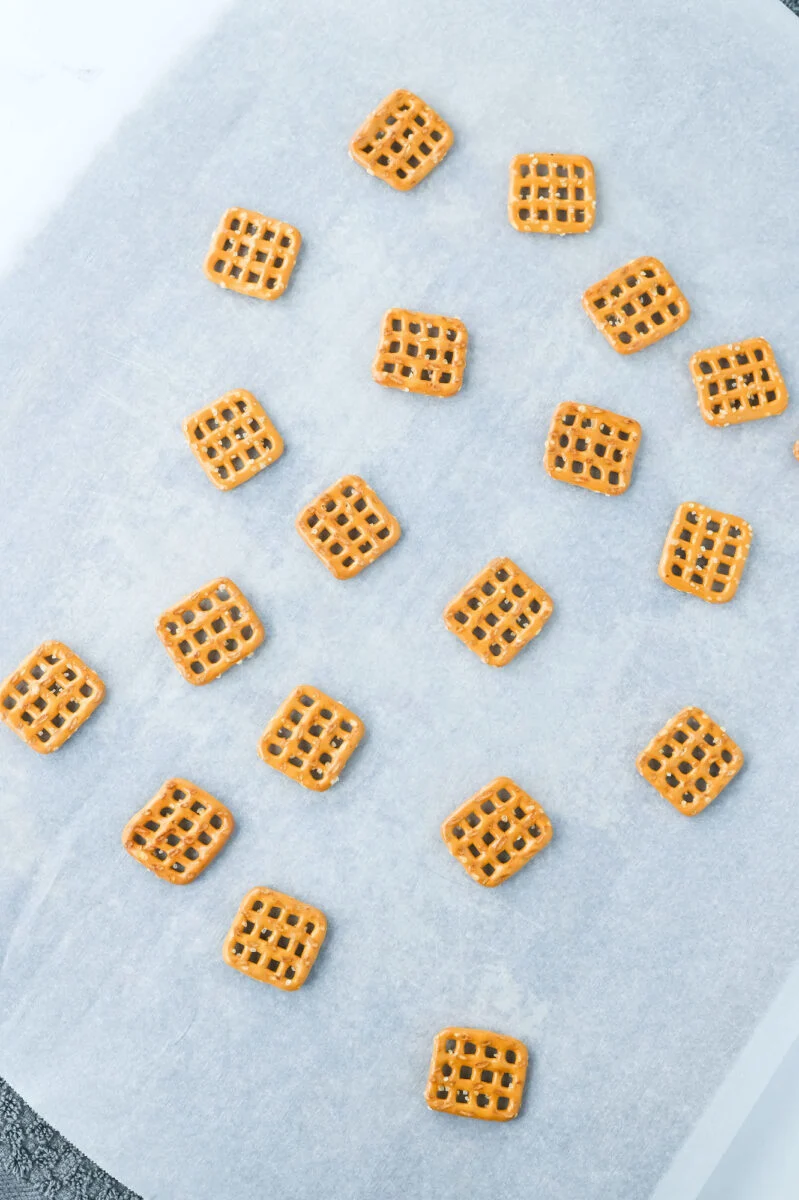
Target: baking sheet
column 636, row 955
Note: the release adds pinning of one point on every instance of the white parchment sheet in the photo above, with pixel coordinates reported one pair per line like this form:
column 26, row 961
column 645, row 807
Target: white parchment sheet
column 635, row 956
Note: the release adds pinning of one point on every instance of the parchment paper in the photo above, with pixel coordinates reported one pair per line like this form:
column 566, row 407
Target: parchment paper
column 637, row 953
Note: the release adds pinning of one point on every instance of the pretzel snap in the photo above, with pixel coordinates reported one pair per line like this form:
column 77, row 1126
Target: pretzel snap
column 476, row 1073
column 49, row 696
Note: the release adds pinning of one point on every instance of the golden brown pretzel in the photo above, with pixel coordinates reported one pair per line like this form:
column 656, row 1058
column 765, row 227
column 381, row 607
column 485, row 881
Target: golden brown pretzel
column 551, row 193
column 476, row 1073
column 252, row 254
column 310, row 738
column 498, row 612
column 705, row 552
column 232, row 439
column 178, row 833
column 348, row 527
column 496, row 831
column 592, row 448
column 49, row 696
column 275, row 938
column 636, row 305
column 421, row 353
column 209, row 631
column 738, row 382
column 401, row 141
column 690, row 761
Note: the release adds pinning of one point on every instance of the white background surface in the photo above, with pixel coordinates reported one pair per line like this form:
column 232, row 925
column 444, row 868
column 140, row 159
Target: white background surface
column 66, row 81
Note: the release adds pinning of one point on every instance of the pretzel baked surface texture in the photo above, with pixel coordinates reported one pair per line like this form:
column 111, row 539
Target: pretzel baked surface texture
column 232, row 439
column 738, row 382
column 592, row 448
column 275, row 938
column 500, row 611
column 310, row 738
column 179, row 832
column 252, row 254
column 49, row 696
column 690, row 761
column 348, row 527
column 551, row 193
column 421, row 353
column 209, row 631
column 401, row 141
column 476, row 1073
column 705, row 552
column 636, row 305
column 496, row 831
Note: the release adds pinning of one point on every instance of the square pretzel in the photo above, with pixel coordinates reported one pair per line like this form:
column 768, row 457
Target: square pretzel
column 49, row 696
column 209, row 631
column 705, row 552
column 421, row 353
column 401, row 141
column 252, row 254
column 348, row 527
column 500, row 611
column 275, row 938
column 495, row 832
column 551, row 193
column 179, row 832
column 738, row 382
column 232, row 439
column 690, row 761
column 592, row 448
column 476, row 1073
column 310, row 738
column 636, row 305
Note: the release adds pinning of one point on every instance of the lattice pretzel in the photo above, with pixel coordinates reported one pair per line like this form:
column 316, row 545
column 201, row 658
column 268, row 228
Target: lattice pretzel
column 476, row 1073
column 738, row 382
column 705, row 552
column 500, row 611
column 401, row 141
column 592, row 448
column 690, row 761
column 636, row 305
column 551, row 193
column 179, row 832
column 496, row 831
column 275, row 938
column 49, row 696
column 210, row 630
column 252, row 254
column 348, row 527
column 232, row 439
column 421, row 353
column 310, row 738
